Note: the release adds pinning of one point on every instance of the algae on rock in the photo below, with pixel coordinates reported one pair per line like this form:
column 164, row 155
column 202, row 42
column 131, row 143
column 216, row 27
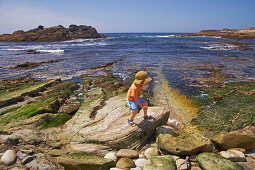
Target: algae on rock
column 211, row 161
column 85, row 161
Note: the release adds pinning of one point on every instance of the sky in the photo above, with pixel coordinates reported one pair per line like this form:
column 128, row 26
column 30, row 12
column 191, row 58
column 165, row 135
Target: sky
column 129, row 15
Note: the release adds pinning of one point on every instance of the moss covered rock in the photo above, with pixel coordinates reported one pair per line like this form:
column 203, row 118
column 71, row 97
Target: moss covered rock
column 234, row 140
column 160, row 163
column 85, row 161
column 211, row 161
column 125, row 163
column 185, row 142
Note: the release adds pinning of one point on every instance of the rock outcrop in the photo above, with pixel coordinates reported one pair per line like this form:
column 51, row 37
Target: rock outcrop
column 238, row 34
column 57, row 33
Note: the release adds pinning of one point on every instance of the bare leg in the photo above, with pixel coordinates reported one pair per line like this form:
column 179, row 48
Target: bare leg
column 133, row 113
column 145, row 108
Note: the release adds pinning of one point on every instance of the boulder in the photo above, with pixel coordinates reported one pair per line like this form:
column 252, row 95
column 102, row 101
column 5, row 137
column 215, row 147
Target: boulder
column 208, row 160
column 8, row 157
column 125, row 163
column 150, row 152
column 233, row 155
column 127, row 153
column 57, row 33
column 233, row 140
column 160, row 163
column 85, row 161
column 184, row 142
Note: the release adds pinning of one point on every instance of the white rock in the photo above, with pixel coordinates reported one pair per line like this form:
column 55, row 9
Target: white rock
column 180, row 163
column 8, row 157
column 150, row 152
column 141, row 156
column 112, row 156
column 233, row 155
column 136, row 168
column 140, row 162
column 116, row 169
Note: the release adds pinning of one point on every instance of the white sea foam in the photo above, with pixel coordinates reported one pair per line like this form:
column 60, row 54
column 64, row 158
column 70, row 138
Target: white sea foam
column 220, row 47
column 165, row 36
column 51, row 51
column 203, row 36
column 76, row 40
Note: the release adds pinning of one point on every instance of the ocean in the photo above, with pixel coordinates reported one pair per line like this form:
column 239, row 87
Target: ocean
column 177, row 58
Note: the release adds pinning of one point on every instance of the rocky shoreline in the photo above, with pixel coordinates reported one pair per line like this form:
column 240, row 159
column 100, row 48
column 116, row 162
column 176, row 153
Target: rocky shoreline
column 51, row 34
column 237, row 34
column 58, row 124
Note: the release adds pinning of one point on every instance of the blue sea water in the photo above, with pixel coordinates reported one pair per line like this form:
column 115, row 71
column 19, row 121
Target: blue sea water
column 175, row 57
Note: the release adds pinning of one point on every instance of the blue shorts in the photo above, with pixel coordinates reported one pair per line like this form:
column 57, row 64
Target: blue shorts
column 133, row 104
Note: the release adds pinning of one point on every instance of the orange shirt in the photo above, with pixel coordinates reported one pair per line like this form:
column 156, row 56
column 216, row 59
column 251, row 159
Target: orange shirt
column 134, row 91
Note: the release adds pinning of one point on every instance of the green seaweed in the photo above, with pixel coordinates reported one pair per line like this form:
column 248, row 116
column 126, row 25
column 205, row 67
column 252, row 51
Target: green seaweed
column 233, row 108
column 12, row 109
column 42, row 105
column 54, row 120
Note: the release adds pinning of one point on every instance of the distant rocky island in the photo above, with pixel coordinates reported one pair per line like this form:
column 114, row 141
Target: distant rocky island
column 238, row 34
column 56, row 33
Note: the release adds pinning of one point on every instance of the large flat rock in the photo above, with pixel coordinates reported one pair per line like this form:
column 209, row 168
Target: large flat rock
column 109, row 126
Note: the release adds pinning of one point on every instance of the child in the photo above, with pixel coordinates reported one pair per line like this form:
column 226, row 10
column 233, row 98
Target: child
column 133, row 96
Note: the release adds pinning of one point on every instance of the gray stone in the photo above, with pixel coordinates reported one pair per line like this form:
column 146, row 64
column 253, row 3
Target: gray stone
column 127, row 153
column 208, row 160
column 32, row 165
column 27, row 159
column 8, row 157
column 160, row 163
column 140, row 163
column 21, row 155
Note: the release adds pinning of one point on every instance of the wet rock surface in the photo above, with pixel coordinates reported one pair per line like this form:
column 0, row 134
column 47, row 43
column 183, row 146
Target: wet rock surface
column 57, row 33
